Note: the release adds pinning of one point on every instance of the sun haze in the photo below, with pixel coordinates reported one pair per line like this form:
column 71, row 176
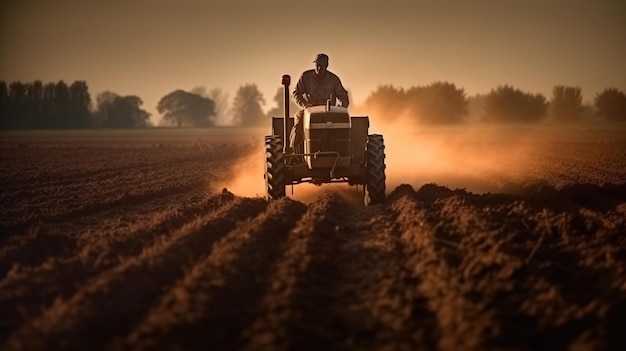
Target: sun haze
column 149, row 48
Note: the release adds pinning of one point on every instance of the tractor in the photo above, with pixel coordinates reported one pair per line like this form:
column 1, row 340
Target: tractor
column 337, row 149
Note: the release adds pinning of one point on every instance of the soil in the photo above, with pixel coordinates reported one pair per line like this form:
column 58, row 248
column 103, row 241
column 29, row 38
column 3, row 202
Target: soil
column 138, row 243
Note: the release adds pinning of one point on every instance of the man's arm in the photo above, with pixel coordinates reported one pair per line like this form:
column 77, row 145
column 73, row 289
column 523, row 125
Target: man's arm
column 299, row 93
column 341, row 93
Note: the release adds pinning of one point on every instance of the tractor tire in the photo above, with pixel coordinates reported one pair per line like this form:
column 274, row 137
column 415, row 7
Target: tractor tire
column 374, row 192
column 274, row 167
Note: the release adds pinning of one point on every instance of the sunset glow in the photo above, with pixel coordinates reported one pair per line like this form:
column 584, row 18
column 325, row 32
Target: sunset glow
column 149, row 48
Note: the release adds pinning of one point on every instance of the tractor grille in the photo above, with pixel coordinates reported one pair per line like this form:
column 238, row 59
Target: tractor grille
column 330, row 140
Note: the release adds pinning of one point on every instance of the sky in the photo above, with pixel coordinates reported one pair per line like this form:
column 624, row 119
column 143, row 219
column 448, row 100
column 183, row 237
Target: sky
column 149, row 48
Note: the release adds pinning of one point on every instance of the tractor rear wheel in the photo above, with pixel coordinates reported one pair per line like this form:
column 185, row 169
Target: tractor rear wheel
column 274, row 167
column 375, row 184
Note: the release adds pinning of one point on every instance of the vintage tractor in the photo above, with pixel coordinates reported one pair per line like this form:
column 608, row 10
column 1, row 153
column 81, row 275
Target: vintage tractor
column 337, row 149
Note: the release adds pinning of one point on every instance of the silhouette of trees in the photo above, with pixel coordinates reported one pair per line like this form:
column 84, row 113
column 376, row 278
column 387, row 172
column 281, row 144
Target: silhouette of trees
column 508, row 104
column 187, row 109
column 17, row 106
column 36, row 105
column 61, row 105
column 566, row 104
column 32, row 109
column 115, row 111
column 386, row 102
column 246, row 107
column 220, row 99
column 79, row 114
column 57, row 105
column 611, row 104
column 437, row 103
column 49, row 104
column 279, row 108
column 4, row 104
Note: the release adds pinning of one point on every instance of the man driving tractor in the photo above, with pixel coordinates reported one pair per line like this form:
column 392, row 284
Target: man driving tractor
column 315, row 87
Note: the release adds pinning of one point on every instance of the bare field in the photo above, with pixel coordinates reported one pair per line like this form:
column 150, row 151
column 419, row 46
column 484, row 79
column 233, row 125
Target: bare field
column 490, row 239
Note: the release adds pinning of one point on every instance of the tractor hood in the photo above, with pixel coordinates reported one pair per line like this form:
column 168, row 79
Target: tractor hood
column 321, row 117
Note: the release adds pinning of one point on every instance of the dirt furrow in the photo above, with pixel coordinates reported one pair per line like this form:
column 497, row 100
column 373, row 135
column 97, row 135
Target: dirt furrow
column 26, row 290
column 43, row 168
column 297, row 309
column 48, row 187
column 90, row 173
column 25, row 209
column 67, row 201
column 341, row 284
column 433, row 236
column 100, row 203
column 47, row 237
column 381, row 309
column 95, row 312
column 219, row 297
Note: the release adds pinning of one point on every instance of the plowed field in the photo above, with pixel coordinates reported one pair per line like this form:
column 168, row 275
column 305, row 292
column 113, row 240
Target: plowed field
column 489, row 240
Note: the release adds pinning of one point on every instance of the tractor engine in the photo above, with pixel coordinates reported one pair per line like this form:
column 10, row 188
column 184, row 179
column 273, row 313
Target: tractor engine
column 327, row 136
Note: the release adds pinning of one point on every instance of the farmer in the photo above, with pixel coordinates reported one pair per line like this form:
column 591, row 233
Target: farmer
column 314, row 87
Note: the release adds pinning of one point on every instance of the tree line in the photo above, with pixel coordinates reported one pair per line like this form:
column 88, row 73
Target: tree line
column 444, row 103
column 57, row 105
column 43, row 106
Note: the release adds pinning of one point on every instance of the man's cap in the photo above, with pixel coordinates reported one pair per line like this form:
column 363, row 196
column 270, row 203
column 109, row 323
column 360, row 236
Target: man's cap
column 321, row 58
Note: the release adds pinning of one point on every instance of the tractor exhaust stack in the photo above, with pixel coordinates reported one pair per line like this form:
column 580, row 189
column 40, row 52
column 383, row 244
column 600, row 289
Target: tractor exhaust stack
column 286, row 81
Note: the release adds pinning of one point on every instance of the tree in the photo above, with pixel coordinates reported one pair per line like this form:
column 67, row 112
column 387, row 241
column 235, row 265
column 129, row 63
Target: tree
column 184, row 108
column 17, row 104
column 611, row 104
column 61, row 106
column 279, row 109
column 48, row 105
column 566, row 104
column 33, row 111
column 437, row 103
column 508, row 104
column 246, row 107
column 4, row 105
column 220, row 99
column 386, row 103
column 80, row 103
column 104, row 102
column 114, row 111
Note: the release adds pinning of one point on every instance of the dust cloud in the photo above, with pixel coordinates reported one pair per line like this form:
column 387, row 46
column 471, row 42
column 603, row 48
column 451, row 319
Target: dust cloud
column 245, row 178
column 478, row 158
